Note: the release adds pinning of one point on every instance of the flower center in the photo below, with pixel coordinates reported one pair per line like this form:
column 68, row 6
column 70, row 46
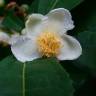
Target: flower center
column 49, row 44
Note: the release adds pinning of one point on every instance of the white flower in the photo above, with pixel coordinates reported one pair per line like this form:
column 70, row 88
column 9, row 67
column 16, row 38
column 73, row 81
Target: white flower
column 46, row 36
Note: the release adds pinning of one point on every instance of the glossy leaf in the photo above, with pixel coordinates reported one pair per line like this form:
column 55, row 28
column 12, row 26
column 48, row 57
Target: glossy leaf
column 87, row 36
column 43, row 77
column 33, row 7
column 88, row 42
column 46, row 5
column 13, row 22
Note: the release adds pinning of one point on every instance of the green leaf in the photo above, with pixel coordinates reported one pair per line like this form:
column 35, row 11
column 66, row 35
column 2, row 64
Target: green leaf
column 77, row 73
column 88, row 42
column 10, row 77
column 87, row 20
column 13, row 22
column 43, row 77
column 33, row 8
column 87, row 35
column 46, row 5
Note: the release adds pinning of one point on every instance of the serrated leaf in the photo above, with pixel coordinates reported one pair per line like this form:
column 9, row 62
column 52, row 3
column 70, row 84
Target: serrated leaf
column 46, row 5
column 43, row 77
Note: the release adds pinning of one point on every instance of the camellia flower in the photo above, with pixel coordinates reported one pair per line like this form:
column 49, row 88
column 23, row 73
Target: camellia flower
column 46, row 36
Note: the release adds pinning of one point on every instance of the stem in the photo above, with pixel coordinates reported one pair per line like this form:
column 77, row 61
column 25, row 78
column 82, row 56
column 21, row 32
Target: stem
column 23, row 79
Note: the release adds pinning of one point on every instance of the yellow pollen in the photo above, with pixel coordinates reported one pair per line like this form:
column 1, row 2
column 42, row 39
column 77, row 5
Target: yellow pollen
column 49, row 44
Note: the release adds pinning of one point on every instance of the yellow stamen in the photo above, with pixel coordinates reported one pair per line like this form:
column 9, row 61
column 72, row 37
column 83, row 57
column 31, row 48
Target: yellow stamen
column 49, row 44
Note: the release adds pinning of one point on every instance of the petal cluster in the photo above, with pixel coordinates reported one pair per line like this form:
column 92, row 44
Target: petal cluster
column 47, row 36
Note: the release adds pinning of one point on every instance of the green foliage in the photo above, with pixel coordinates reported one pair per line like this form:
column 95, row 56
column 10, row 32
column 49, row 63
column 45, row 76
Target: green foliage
column 43, row 77
column 13, row 22
column 46, row 77
column 46, row 5
column 33, row 7
column 87, row 36
column 88, row 41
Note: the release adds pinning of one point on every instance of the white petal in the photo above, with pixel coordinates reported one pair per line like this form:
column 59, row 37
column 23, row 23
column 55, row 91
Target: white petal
column 33, row 24
column 25, row 49
column 14, row 38
column 62, row 19
column 23, row 32
column 4, row 37
column 70, row 50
